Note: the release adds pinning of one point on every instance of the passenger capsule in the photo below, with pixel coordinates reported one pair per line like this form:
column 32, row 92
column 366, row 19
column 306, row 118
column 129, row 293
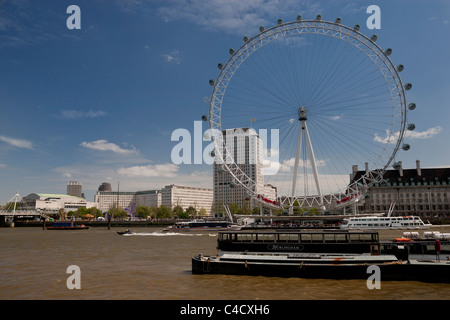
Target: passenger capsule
column 280, row 22
column 211, row 82
column 388, row 52
column 232, row 184
column 245, row 39
column 212, row 154
column 396, row 165
column 408, row 86
column 299, row 18
column 411, row 106
column 262, row 29
column 319, row 17
column 220, row 169
column 411, row 126
column 220, row 66
column 357, row 27
column 400, row 68
column 204, row 117
column 374, row 38
column 338, row 20
column 406, row 147
column 231, row 51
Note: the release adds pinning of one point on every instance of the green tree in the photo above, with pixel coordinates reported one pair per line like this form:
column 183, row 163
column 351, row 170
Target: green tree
column 115, row 212
column 256, row 210
column 163, row 212
column 234, row 208
column 153, row 212
column 297, row 209
column 177, row 211
column 184, row 215
column 191, row 211
column 81, row 211
column 143, row 212
column 95, row 212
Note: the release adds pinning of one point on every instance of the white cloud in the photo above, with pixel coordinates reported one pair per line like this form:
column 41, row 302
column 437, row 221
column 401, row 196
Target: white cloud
column 275, row 167
column 18, row 143
column 76, row 114
column 235, row 16
column 173, row 57
column 2, row 165
column 157, row 170
column 307, row 186
column 104, row 145
column 335, row 118
column 391, row 137
column 288, row 165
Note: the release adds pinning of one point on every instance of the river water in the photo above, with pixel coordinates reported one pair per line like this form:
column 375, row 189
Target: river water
column 152, row 265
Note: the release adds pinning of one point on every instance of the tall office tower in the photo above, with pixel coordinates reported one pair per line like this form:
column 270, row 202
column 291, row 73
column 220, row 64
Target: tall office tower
column 74, row 189
column 246, row 148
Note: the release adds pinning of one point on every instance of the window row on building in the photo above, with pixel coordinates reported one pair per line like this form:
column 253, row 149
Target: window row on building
column 170, row 196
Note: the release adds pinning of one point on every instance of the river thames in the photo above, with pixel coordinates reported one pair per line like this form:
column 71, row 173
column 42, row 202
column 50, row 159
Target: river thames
column 152, row 265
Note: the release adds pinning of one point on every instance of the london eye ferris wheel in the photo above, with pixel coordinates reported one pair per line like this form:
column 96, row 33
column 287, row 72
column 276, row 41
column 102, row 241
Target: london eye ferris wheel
column 335, row 100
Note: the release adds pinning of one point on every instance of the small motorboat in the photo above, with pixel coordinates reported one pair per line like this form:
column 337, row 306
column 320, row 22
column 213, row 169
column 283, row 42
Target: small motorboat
column 124, row 232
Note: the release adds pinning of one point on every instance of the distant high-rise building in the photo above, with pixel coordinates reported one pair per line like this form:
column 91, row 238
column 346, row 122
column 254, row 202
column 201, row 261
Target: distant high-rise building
column 246, row 148
column 105, row 186
column 74, row 189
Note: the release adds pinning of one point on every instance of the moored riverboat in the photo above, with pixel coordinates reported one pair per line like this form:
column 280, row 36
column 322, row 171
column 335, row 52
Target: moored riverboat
column 379, row 223
column 66, row 225
column 326, row 254
column 201, row 225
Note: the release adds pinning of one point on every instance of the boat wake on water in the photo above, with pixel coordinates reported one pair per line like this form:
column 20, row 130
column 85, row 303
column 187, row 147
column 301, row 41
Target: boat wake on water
column 167, row 234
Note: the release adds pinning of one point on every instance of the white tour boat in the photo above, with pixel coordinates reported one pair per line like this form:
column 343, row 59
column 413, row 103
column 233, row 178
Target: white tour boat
column 372, row 222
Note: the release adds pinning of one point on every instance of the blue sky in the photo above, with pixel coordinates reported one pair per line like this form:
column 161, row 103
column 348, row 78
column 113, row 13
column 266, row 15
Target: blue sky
column 99, row 104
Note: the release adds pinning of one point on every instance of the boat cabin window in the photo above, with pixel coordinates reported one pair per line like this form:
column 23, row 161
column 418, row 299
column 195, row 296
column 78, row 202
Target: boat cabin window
column 341, row 238
column 225, row 236
column 305, row 237
column 363, row 237
column 286, row 237
column 265, row 237
column 317, row 237
column 244, row 237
